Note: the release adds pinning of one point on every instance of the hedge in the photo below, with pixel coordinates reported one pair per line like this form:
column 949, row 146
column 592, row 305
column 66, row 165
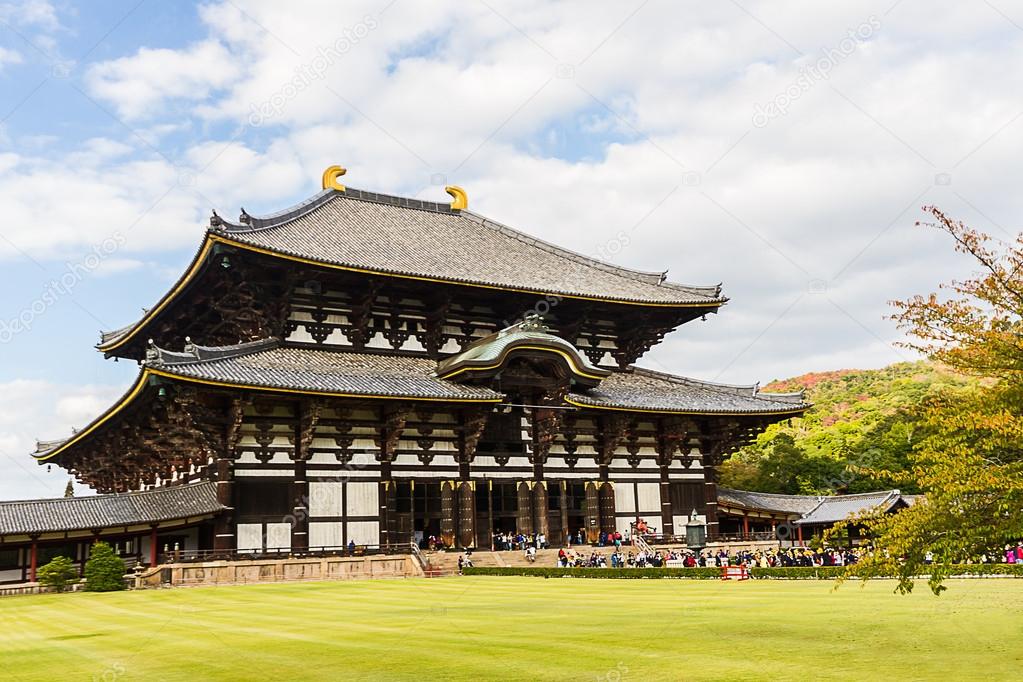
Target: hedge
column 781, row 573
column 555, row 572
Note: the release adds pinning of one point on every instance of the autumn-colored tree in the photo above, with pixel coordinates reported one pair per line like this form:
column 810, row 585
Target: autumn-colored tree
column 968, row 458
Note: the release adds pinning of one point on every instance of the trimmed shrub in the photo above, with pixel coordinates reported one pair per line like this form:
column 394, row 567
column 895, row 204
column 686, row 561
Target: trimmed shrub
column 58, row 574
column 555, row 572
column 104, row 571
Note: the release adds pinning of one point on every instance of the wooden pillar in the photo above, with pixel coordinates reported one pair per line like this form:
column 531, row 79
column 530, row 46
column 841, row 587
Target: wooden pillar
column 224, row 525
column 799, row 535
column 33, row 560
column 300, row 508
column 745, row 525
column 608, row 522
column 388, row 499
column 524, row 519
column 154, row 547
column 490, row 515
column 565, row 530
column 448, row 513
column 466, row 514
column 710, row 492
column 667, row 520
column 541, row 516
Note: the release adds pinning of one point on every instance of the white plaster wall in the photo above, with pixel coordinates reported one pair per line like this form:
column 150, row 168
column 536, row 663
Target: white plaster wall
column 10, row 576
column 649, row 501
column 625, row 498
column 277, row 473
column 278, row 536
column 364, row 532
column 326, row 534
column 250, row 536
column 623, row 525
column 363, row 499
column 325, row 499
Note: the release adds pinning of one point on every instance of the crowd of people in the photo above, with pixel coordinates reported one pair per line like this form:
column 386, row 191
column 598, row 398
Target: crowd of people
column 622, row 558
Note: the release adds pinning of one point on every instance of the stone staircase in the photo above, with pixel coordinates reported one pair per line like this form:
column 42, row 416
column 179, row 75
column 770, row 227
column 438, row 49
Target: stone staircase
column 446, row 563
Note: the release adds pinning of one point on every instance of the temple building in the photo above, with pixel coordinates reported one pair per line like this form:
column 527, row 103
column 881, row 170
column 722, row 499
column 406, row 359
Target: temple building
column 373, row 370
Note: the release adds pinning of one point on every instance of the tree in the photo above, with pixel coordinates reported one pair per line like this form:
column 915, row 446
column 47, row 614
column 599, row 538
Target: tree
column 58, row 574
column 104, row 571
column 969, row 458
column 69, row 491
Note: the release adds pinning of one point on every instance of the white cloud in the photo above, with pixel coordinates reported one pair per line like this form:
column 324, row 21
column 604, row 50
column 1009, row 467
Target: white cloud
column 8, row 56
column 30, row 13
column 140, row 86
column 31, row 409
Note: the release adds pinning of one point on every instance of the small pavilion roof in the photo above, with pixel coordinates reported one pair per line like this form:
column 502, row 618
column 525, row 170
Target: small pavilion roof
column 770, row 502
column 842, row 507
column 63, row 514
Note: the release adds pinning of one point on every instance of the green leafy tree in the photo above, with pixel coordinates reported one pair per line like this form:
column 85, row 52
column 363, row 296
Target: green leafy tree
column 104, row 571
column 58, row 574
column 969, row 458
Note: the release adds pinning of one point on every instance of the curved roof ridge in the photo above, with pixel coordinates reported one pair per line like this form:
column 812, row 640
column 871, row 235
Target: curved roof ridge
column 690, row 381
column 131, row 493
column 775, row 495
column 112, row 338
column 250, row 223
column 194, row 353
column 753, row 390
column 656, row 278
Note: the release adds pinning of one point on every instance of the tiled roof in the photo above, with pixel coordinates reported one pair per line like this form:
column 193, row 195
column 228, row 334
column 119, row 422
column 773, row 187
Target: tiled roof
column 409, row 237
column 644, row 389
column 788, row 504
column 266, row 364
column 104, row 511
column 841, row 507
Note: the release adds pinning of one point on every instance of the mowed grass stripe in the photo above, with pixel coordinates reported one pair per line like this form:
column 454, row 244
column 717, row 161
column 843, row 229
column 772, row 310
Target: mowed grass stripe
column 517, row 628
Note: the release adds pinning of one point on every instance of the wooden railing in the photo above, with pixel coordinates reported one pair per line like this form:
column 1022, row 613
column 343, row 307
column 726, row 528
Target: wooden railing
column 200, row 555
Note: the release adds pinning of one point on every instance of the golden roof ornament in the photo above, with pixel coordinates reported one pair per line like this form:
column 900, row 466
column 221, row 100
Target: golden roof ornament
column 330, row 177
column 461, row 199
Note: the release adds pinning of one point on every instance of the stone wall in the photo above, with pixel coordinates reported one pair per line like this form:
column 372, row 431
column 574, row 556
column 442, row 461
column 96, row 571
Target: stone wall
column 282, row 570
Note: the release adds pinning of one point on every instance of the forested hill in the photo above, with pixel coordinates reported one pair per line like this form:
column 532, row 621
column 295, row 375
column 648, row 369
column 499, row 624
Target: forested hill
column 862, row 421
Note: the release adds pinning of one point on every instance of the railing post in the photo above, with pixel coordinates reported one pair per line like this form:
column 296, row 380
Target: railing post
column 33, row 560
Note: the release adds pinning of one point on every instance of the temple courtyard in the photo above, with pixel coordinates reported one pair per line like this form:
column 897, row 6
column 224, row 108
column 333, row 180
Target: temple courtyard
column 475, row 628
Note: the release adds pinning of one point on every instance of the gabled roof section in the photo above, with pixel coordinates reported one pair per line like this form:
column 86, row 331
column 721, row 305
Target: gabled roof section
column 387, row 235
column 380, row 233
column 489, row 354
column 644, row 390
column 769, row 502
column 267, row 365
column 28, row 517
column 844, row 507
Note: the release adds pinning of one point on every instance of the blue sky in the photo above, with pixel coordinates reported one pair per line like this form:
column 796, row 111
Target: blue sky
column 784, row 149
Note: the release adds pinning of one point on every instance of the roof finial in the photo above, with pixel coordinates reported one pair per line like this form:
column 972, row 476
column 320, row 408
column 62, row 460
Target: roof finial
column 461, row 199
column 330, row 177
column 533, row 322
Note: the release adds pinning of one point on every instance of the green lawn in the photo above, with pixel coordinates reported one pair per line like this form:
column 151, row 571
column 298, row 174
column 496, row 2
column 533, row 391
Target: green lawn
column 519, row 628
